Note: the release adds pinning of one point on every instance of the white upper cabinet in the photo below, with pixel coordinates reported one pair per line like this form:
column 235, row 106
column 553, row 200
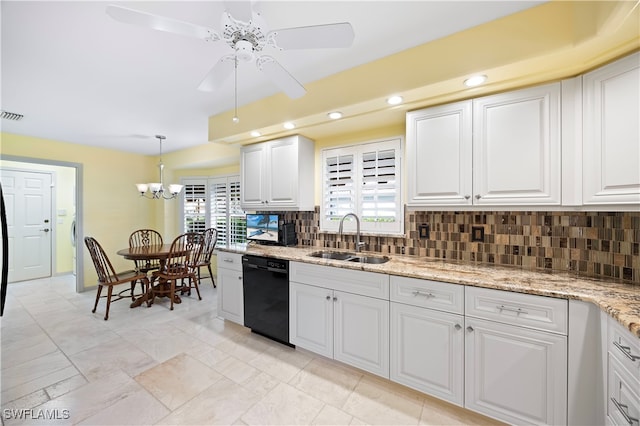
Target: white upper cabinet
column 499, row 150
column 278, row 175
column 516, row 147
column 611, row 137
column 439, row 155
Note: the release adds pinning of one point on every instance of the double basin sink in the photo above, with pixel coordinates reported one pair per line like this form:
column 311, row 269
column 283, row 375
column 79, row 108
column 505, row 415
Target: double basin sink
column 349, row 257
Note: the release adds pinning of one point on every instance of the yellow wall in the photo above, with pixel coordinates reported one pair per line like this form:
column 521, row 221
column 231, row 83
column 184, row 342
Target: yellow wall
column 111, row 207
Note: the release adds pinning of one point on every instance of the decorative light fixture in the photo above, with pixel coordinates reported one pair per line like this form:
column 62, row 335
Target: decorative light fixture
column 476, row 80
column 256, row 134
column 335, row 115
column 289, row 125
column 394, row 100
column 156, row 190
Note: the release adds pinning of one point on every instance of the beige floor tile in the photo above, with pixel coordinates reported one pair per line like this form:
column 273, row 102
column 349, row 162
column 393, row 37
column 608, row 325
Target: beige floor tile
column 327, row 381
column 281, row 361
column 262, row 384
column 177, row 380
column 34, row 369
column 437, row 412
column 139, row 408
column 380, row 402
column 222, row 403
column 207, row 354
column 330, row 415
column 66, row 385
column 238, row 371
column 244, row 346
column 284, row 405
column 105, row 358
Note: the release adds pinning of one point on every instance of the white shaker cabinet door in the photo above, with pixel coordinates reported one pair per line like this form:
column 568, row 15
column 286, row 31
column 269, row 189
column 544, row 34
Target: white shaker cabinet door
column 427, row 351
column 439, row 155
column 515, row 374
column 611, row 136
column 311, row 318
column 230, row 295
column 252, row 168
column 516, row 147
column 361, row 336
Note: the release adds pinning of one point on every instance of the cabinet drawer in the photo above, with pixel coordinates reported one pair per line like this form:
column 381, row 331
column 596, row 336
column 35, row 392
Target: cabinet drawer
column 231, row 261
column 623, row 402
column 526, row 310
column 347, row 280
column 427, row 294
column 624, row 346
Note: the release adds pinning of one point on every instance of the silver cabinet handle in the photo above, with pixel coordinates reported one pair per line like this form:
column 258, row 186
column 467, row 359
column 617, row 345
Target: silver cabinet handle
column 478, row 196
column 623, row 410
column 419, row 293
column 239, row 278
column 516, row 310
column 466, row 197
column 45, row 229
column 469, row 328
column 626, row 350
column 328, row 297
column 457, row 326
column 335, row 299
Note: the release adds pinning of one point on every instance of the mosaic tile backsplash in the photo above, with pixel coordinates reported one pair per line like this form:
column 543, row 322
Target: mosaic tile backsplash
column 597, row 244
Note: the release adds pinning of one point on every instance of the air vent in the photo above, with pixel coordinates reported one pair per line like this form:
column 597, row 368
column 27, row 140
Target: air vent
column 11, row 115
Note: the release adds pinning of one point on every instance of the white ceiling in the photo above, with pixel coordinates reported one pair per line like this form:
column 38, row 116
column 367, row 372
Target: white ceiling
column 79, row 76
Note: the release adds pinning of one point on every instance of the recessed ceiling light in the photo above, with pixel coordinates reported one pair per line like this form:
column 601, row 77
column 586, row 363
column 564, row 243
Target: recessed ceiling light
column 335, row 115
column 256, row 133
column 476, row 80
column 394, row 100
column 289, row 125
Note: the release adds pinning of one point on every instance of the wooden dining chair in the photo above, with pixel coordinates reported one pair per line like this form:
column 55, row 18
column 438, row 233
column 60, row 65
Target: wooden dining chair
column 209, row 239
column 181, row 266
column 108, row 277
column 144, row 238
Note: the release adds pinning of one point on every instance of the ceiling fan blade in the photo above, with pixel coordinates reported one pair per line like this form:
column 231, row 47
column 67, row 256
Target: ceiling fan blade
column 218, row 74
column 160, row 23
column 315, row 36
column 240, row 10
column 281, row 77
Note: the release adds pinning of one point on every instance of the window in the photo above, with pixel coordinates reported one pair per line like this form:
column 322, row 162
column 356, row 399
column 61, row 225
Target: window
column 363, row 179
column 214, row 203
column 194, row 211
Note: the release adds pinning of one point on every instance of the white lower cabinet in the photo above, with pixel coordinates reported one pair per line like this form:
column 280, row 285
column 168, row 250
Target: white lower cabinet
column 516, row 373
column 623, row 375
column 427, row 351
column 351, row 328
column 230, row 290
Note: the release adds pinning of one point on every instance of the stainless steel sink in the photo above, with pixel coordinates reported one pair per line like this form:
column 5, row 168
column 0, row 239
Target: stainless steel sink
column 370, row 259
column 337, row 255
column 349, row 257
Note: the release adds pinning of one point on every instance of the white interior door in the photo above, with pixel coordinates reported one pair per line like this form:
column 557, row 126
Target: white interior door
column 28, row 203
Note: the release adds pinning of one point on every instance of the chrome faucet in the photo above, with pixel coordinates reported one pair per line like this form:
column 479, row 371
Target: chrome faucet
column 358, row 242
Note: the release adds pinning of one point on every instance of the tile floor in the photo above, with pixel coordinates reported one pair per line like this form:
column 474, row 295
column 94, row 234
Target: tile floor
column 155, row 366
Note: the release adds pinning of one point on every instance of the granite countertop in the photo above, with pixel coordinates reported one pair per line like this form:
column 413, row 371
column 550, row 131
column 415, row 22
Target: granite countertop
column 619, row 299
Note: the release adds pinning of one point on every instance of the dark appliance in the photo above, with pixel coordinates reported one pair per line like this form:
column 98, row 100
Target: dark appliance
column 269, row 228
column 266, row 296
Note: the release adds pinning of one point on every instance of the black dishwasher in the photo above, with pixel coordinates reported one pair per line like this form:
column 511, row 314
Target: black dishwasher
column 266, row 296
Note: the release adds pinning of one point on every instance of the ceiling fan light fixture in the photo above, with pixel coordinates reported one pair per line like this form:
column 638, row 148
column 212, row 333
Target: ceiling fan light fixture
column 289, row 125
column 475, row 80
column 335, row 115
column 394, row 100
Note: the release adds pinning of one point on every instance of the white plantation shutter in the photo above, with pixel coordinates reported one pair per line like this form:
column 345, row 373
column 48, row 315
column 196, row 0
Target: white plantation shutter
column 339, row 176
column 363, row 179
column 226, row 215
column 194, row 213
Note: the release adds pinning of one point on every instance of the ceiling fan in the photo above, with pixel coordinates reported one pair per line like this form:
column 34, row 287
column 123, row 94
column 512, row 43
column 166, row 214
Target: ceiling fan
column 244, row 33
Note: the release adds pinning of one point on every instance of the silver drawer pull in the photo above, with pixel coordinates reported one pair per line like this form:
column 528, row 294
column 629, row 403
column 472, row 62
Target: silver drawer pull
column 623, row 410
column 626, row 350
column 419, row 293
column 517, row 311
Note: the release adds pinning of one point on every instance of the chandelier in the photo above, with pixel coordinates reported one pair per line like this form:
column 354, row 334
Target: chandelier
column 156, row 190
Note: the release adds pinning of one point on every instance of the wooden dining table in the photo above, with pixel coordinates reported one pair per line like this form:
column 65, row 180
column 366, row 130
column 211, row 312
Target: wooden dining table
column 158, row 252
